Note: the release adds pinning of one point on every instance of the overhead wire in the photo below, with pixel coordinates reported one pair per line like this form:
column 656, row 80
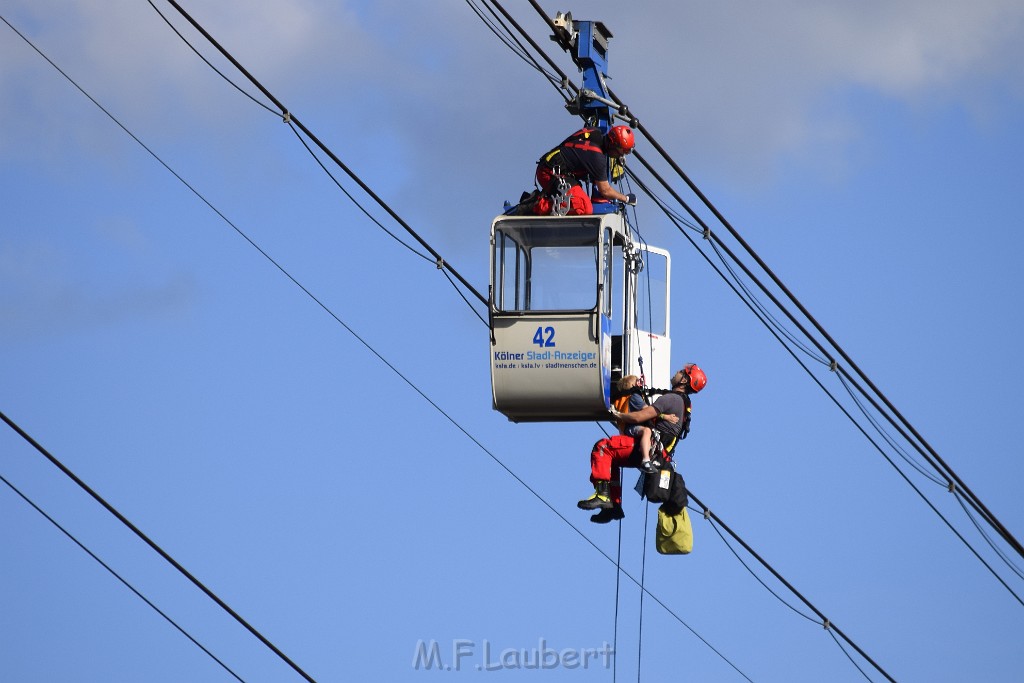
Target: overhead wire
column 774, row 330
column 756, row 576
column 888, row 438
column 733, row 279
column 289, row 116
column 863, row 654
column 773, row 592
column 153, row 545
column 842, row 648
column 892, row 415
column 737, row 236
column 510, row 40
column 735, row 282
column 120, row 578
column 380, row 357
column 565, row 84
column 991, row 542
column 769, row 320
column 328, row 152
column 208, row 62
column 709, row 235
column 846, row 380
column 293, row 128
column 352, row 199
column 819, row 359
column 843, row 635
column 322, row 304
column 792, row 589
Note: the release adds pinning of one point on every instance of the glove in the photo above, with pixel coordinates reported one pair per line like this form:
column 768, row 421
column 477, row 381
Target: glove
column 631, row 199
column 615, row 414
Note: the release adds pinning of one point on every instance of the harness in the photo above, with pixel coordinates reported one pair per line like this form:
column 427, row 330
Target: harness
column 667, row 449
column 579, row 140
column 556, row 190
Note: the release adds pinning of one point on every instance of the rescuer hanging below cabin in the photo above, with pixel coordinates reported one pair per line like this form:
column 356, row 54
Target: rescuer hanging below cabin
column 610, row 455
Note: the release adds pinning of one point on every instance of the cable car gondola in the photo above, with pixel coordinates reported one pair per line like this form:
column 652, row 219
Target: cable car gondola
column 575, row 304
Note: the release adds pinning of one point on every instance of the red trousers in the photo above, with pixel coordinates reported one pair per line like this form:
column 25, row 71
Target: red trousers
column 609, row 457
column 579, row 202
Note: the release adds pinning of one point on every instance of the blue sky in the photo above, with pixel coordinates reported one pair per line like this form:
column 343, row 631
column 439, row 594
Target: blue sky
column 870, row 154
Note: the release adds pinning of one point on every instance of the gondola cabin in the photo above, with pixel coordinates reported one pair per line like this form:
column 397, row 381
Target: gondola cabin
column 575, row 304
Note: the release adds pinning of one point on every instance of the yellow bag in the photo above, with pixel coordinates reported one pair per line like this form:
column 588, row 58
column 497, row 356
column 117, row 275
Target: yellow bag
column 674, row 535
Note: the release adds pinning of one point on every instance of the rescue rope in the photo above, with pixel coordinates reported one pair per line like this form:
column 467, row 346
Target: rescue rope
column 643, row 573
column 615, row 631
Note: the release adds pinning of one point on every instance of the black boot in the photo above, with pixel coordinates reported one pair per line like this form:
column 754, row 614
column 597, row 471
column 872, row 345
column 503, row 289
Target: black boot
column 601, row 499
column 608, row 515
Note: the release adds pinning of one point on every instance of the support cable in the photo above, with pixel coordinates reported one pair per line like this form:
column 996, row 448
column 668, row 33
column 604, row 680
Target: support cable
column 853, row 421
column 889, row 439
column 352, row 199
column 120, row 578
column 792, row 589
column 551, row 26
column 828, row 360
column 551, row 63
column 769, row 325
column 939, row 464
column 508, row 38
column 364, row 343
column 842, row 648
column 291, row 118
column 992, row 544
column 752, row 572
column 160, row 551
column 208, row 62
column 510, row 472
column 315, row 139
column 935, row 465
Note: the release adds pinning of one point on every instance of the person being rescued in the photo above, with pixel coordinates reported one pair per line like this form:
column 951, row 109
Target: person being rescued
column 610, row 455
column 629, row 398
column 588, row 155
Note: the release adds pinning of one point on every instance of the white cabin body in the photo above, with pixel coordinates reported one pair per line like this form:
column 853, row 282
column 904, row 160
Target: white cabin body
column 575, row 304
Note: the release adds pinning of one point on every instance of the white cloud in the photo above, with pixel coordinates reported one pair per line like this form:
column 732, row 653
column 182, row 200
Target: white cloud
column 738, row 85
column 760, row 81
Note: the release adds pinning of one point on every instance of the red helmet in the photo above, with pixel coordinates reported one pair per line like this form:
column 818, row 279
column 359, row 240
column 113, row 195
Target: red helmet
column 620, row 139
column 697, row 379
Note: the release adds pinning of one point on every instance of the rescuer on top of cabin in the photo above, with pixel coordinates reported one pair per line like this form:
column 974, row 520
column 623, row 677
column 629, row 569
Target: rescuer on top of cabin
column 588, row 155
column 610, row 455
